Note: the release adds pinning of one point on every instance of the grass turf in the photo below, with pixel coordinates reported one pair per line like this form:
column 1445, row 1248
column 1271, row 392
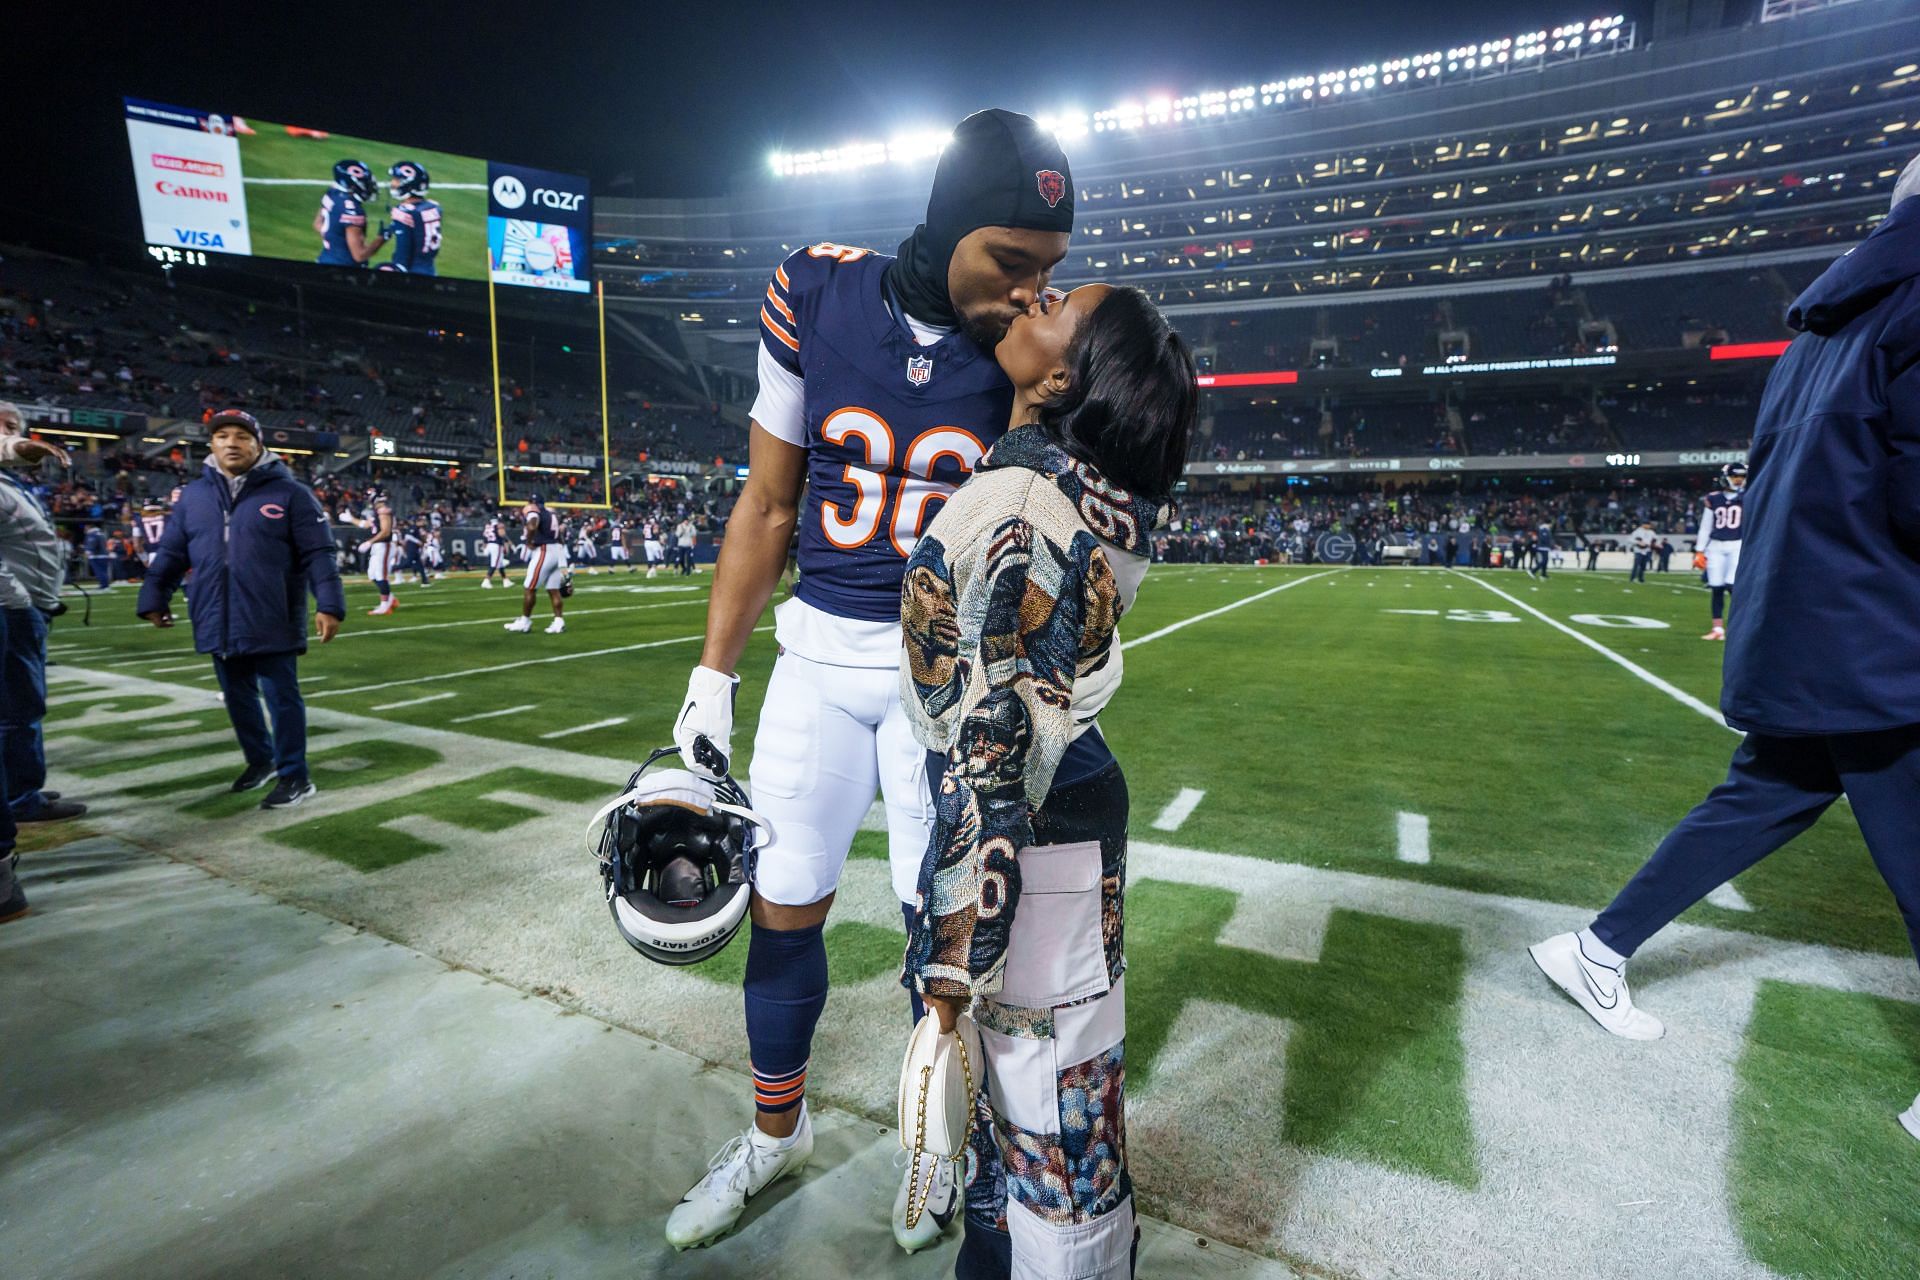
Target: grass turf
column 280, row 217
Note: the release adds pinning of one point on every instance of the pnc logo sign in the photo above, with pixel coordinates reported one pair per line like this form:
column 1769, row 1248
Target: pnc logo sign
column 508, row 192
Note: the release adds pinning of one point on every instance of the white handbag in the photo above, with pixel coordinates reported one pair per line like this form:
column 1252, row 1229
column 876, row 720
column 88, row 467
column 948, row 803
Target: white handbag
column 938, row 1081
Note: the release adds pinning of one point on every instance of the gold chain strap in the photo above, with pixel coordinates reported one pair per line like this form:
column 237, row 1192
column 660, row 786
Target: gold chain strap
column 917, row 1191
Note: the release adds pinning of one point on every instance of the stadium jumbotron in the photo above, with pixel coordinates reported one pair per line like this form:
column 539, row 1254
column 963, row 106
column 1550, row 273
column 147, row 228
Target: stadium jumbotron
column 1068, row 645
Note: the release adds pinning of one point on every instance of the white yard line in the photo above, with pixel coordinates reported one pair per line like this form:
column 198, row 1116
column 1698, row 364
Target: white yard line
column 185, row 666
column 1228, row 608
column 585, row 728
column 1179, row 809
column 1413, row 839
column 1678, row 694
column 511, row 666
column 481, row 622
column 1729, row 898
column 414, row 702
column 490, row 715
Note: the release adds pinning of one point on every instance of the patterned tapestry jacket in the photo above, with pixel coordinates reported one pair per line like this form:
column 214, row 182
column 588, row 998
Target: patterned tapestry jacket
column 1008, row 614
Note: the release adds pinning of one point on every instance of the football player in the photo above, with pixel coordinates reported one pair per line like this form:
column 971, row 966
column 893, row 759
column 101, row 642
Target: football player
column 148, row 528
column 546, row 565
column 342, row 219
column 379, row 548
column 583, row 545
column 1716, row 548
column 430, row 552
column 495, row 541
column 617, row 545
column 878, row 395
column 651, row 542
column 415, row 228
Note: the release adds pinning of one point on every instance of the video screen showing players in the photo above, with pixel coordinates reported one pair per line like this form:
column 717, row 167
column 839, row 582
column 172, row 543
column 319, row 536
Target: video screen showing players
column 223, row 183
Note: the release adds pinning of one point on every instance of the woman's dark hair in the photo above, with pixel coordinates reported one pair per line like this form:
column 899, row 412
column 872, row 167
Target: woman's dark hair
column 1131, row 396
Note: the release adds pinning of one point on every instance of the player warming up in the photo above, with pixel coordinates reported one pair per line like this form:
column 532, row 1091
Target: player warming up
column 878, row 395
column 495, row 542
column 1717, row 547
column 379, row 549
column 546, row 566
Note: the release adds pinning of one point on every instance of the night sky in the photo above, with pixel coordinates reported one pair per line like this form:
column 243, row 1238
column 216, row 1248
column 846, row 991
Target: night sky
column 677, row 105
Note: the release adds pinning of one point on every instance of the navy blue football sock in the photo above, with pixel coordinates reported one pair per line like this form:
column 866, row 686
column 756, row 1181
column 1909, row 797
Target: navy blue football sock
column 908, row 911
column 380, row 585
column 786, row 990
column 1719, row 603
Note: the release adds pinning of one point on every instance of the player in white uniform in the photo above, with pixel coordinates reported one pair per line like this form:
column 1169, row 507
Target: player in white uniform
column 380, row 549
column 1716, row 548
column 650, row 541
column 583, row 546
column 546, row 570
column 878, row 394
column 617, row 544
column 494, row 538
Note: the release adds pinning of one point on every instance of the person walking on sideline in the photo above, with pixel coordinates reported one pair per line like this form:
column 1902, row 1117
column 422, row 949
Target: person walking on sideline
column 1823, row 674
column 257, row 540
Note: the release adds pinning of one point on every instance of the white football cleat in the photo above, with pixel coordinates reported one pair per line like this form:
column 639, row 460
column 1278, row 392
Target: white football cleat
column 486, row 584
column 384, row 607
column 555, row 627
column 1910, row 1119
column 1716, row 633
column 744, row 1167
column 520, row 624
column 1599, row 989
column 942, row 1205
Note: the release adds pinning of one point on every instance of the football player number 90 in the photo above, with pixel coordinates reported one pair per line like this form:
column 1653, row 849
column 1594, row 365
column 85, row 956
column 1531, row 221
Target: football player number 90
column 911, row 495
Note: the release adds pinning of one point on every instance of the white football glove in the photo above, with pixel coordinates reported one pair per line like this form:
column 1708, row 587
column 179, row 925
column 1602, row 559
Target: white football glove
column 706, row 714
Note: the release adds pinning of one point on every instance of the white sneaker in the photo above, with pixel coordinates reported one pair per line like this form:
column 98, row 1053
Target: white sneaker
column 942, row 1203
column 1910, row 1118
column 1599, row 989
column 745, row 1167
column 555, row 627
column 486, row 584
column 520, row 624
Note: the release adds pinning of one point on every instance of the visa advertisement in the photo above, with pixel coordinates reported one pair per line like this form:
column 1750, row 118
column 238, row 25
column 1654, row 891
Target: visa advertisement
column 223, row 183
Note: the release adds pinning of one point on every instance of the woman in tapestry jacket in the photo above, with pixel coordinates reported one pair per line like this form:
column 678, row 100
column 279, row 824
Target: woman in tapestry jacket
column 1009, row 611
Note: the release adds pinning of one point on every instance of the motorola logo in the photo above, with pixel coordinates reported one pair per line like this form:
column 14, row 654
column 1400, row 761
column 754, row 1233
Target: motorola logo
column 508, row 192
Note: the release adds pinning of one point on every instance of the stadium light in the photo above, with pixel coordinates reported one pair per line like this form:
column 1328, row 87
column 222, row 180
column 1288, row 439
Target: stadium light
column 1605, row 35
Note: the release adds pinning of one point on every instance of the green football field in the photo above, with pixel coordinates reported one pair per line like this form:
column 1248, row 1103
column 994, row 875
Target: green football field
column 287, row 174
column 1357, row 795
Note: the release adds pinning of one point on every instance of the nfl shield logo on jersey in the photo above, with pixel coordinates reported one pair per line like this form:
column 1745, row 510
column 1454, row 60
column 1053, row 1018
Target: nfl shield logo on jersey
column 919, row 370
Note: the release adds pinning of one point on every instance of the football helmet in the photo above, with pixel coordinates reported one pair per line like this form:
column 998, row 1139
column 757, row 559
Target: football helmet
column 1733, row 476
column 676, row 858
column 354, row 178
column 375, row 495
column 407, row 178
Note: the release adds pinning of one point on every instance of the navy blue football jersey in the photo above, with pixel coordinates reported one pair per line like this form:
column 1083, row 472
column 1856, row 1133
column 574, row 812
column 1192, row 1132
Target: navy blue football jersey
column 543, row 530
column 338, row 211
column 416, row 236
column 1721, row 523
column 892, row 428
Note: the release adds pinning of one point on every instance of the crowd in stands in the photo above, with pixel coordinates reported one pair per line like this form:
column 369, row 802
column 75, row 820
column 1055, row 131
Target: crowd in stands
column 94, row 338
column 1284, row 523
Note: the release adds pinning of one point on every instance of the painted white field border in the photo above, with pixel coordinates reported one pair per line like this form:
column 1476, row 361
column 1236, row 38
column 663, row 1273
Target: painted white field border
column 1673, row 691
column 511, row 666
column 1225, row 608
column 1179, row 809
column 1414, row 843
column 1729, row 898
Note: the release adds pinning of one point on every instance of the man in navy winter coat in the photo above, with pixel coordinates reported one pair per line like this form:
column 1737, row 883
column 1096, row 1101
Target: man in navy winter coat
column 257, row 540
column 1823, row 674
